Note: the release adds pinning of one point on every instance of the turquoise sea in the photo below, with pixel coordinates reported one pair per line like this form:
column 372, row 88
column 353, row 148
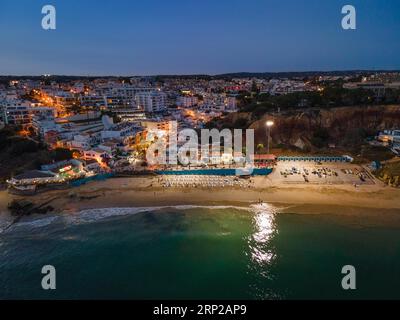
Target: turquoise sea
column 189, row 252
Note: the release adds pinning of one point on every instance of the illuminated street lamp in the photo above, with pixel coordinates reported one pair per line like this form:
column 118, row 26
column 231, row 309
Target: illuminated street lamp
column 269, row 124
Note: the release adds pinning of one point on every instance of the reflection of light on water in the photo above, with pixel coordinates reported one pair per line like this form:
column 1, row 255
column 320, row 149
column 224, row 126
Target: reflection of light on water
column 262, row 252
column 265, row 229
column 264, row 221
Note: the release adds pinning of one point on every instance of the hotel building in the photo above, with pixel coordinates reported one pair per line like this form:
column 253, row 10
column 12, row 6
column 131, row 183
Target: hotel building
column 152, row 102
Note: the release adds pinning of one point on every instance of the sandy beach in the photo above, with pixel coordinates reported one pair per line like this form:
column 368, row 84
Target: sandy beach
column 146, row 192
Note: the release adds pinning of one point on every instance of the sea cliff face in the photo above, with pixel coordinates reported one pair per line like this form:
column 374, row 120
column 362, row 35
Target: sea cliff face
column 343, row 126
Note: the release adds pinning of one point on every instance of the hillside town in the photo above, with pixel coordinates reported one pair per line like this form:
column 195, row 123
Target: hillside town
column 104, row 126
column 199, row 158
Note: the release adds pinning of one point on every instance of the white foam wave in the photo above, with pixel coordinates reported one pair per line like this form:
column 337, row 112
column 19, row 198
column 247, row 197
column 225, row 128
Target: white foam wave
column 93, row 215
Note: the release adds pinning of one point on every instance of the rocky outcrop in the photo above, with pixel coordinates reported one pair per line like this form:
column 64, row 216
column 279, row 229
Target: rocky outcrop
column 340, row 126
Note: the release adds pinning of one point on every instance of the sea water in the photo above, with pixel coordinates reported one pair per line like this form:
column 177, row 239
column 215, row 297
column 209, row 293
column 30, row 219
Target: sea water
column 190, row 252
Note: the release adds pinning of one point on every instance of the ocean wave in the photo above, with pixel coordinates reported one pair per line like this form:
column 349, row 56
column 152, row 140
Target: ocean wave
column 32, row 223
column 38, row 222
column 93, row 215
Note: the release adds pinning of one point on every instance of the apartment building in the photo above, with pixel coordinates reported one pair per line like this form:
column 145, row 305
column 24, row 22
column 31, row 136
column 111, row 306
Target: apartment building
column 65, row 99
column 152, row 102
column 120, row 131
column 15, row 112
column 187, row 101
column 230, row 104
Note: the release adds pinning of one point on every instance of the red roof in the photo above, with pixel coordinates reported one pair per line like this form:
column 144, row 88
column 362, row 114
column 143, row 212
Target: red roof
column 270, row 157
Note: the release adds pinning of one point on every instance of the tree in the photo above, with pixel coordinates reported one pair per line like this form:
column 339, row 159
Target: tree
column 240, row 123
column 61, row 154
column 320, row 137
column 254, row 88
column 20, row 146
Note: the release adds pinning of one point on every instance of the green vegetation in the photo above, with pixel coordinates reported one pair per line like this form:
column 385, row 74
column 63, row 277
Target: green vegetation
column 320, row 138
column 375, row 153
column 390, row 174
column 260, row 148
column 355, row 137
column 18, row 154
column 333, row 95
column 61, row 154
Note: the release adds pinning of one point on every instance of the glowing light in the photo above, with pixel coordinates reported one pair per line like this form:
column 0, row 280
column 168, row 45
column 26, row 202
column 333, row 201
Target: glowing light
column 67, row 168
column 265, row 229
column 269, row 123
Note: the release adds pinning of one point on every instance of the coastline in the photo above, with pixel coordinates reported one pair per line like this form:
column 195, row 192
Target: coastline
column 145, row 192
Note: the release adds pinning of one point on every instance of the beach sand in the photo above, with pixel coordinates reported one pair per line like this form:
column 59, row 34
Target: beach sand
column 146, row 192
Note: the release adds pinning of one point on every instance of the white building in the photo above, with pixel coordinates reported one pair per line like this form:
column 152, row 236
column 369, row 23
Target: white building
column 389, row 136
column 187, row 101
column 120, row 131
column 98, row 154
column 65, row 99
column 92, row 100
column 42, row 126
column 88, row 123
column 114, row 95
column 43, row 112
column 129, row 114
column 15, row 112
column 154, row 101
column 82, row 142
column 230, row 104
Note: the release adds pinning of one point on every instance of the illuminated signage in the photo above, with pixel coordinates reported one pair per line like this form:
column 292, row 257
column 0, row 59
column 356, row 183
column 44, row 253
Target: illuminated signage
column 67, row 168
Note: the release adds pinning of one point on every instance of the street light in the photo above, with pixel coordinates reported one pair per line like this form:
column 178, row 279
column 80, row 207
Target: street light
column 269, row 124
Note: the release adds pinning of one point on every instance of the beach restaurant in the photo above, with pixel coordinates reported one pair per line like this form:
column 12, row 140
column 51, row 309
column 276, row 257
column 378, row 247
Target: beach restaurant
column 32, row 177
column 51, row 174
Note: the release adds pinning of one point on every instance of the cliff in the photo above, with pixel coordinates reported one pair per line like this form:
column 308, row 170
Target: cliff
column 344, row 127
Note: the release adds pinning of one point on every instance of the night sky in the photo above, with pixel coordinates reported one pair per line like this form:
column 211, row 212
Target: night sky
column 148, row 37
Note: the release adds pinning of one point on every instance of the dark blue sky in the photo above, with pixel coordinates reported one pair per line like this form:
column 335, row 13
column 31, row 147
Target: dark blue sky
column 118, row 37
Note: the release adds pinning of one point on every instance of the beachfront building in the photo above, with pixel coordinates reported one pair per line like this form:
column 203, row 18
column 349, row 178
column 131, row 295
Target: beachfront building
column 92, row 165
column 51, row 175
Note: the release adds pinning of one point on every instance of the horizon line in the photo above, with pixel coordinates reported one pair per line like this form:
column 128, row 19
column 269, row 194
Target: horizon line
column 200, row 74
